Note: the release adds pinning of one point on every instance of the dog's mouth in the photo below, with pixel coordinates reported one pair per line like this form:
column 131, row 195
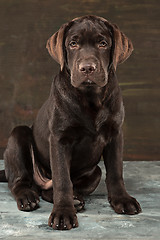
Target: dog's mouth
column 88, row 82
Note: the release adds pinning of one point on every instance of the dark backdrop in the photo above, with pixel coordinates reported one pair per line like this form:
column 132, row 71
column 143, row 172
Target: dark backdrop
column 26, row 69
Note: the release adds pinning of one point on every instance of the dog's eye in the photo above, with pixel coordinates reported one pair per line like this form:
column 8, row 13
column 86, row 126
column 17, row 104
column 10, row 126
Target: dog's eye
column 73, row 44
column 102, row 44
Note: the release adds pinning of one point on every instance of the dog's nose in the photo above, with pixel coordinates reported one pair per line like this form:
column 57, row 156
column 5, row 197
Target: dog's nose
column 87, row 68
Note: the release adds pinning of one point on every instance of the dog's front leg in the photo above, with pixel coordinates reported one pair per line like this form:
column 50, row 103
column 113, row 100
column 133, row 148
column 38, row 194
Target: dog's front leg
column 119, row 199
column 63, row 216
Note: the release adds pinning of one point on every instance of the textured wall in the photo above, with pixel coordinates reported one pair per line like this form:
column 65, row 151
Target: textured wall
column 26, row 69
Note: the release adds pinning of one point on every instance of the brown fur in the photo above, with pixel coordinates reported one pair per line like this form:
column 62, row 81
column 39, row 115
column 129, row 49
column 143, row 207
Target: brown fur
column 79, row 123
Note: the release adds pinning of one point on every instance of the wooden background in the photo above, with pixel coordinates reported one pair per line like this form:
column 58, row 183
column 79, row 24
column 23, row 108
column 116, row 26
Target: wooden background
column 26, row 69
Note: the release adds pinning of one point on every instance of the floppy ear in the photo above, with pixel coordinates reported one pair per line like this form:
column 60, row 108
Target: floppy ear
column 122, row 46
column 55, row 45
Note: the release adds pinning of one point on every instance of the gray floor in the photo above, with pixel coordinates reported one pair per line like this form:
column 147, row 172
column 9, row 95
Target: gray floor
column 98, row 221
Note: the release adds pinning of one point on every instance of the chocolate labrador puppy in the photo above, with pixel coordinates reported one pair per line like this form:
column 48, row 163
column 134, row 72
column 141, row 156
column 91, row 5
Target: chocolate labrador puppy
column 79, row 123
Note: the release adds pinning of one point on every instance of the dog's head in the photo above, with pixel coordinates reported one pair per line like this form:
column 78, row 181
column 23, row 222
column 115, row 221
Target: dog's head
column 89, row 47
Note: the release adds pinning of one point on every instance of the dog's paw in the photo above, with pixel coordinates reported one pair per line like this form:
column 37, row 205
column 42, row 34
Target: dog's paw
column 63, row 219
column 78, row 202
column 125, row 205
column 27, row 200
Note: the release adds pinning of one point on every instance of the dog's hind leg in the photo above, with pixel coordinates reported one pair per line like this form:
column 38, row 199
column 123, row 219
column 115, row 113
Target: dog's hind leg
column 86, row 183
column 19, row 168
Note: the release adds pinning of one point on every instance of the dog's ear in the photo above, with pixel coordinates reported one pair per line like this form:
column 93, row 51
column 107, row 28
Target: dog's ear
column 122, row 46
column 55, row 45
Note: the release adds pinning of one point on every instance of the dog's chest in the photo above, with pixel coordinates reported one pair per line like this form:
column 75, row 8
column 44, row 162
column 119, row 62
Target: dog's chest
column 87, row 151
column 86, row 130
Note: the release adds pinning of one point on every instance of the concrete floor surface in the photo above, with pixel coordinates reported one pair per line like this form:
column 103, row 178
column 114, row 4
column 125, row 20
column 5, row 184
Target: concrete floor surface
column 98, row 221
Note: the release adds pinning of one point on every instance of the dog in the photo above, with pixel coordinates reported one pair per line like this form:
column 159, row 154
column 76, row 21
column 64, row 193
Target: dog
column 57, row 158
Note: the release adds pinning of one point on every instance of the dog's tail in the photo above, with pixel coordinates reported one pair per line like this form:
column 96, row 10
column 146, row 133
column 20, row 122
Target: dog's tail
column 3, row 176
